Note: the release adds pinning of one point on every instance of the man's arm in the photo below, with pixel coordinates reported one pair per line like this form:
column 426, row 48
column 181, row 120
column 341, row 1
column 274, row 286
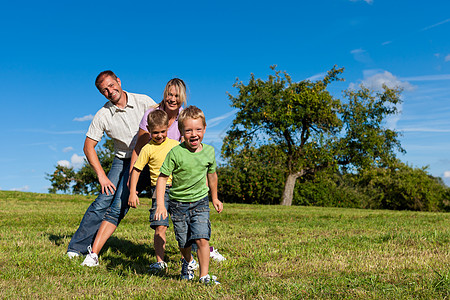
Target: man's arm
column 89, row 150
column 212, row 182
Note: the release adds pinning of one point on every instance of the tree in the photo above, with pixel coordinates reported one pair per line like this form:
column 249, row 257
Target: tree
column 312, row 128
column 83, row 181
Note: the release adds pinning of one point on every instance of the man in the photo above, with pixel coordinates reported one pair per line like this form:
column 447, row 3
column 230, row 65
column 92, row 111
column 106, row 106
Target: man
column 119, row 118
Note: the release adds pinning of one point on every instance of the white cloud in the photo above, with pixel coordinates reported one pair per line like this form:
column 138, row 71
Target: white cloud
column 361, row 55
column 317, row 76
column 376, row 79
column 84, row 119
column 25, row 188
column 63, row 163
column 447, row 57
column 68, row 149
column 216, row 121
column 77, row 161
column 424, row 129
column 447, row 174
column 435, row 25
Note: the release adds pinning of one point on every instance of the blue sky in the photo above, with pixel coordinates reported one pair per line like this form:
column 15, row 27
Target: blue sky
column 52, row 51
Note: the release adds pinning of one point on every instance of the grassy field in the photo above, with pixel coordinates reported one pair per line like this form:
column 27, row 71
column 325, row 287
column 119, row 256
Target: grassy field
column 273, row 252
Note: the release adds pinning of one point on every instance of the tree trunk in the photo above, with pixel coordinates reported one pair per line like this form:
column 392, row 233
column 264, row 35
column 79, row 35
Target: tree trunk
column 288, row 192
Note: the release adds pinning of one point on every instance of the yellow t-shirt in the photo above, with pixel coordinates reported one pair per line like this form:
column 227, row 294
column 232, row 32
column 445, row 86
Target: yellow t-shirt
column 154, row 155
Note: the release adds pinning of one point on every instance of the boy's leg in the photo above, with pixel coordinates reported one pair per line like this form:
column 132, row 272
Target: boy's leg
column 159, row 241
column 187, row 255
column 160, row 227
column 203, row 256
column 200, row 232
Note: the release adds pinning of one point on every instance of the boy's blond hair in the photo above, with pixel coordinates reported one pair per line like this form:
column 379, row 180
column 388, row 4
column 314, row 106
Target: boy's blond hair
column 190, row 112
column 157, row 118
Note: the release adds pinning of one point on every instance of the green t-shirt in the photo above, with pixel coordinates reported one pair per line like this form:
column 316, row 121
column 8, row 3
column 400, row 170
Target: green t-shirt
column 189, row 171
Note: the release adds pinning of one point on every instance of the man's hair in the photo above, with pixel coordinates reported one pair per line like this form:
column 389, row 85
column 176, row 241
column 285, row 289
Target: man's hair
column 157, row 118
column 179, row 86
column 102, row 75
column 190, row 112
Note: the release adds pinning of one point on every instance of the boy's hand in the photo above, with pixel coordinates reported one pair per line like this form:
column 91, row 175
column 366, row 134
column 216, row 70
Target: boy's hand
column 218, row 205
column 161, row 213
column 133, row 200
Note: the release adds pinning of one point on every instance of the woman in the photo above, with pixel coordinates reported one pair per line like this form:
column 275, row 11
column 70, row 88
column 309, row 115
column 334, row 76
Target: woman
column 173, row 98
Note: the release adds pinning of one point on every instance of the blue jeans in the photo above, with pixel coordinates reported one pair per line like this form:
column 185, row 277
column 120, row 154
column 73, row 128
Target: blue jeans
column 190, row 221
column 111, row 208
column 154, row 223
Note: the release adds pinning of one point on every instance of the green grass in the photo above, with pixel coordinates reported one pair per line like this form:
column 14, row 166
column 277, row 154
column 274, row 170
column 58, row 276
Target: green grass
column 273, row 252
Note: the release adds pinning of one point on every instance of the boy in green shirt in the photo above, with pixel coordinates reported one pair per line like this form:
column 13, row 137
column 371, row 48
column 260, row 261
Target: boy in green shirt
column 153, row 154
column 192, row 165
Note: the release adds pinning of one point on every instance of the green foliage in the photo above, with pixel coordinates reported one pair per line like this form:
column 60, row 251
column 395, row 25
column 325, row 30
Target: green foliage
column 313, row 129
column 398, row 187
column 83, row 181
column 401, row 187
column 366, row 142
column 328, row 189
column 254, row 176
column 61, row 179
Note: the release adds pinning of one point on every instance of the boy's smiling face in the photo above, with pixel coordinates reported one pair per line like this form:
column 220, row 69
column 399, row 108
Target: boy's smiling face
column 158, row 134
column 193, row 132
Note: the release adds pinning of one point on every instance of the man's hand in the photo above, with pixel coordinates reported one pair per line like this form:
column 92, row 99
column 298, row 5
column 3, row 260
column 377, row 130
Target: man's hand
column 107, row 186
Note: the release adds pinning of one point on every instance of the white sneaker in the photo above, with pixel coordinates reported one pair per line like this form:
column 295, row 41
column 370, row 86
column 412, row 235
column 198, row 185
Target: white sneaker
column 158, row 267
column 214, row 254
column 91, row 259
column 71, row 254
column 209, row 280
column 187, row 269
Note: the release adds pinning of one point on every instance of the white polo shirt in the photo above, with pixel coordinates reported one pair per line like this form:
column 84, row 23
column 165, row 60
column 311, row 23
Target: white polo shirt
column 121, row 125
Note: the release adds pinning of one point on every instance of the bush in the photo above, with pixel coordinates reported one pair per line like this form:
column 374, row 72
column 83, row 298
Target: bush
column 401, row 187
column 254, row 176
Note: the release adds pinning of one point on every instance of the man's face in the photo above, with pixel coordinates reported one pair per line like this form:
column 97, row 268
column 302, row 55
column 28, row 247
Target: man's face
column 193, row 134
column 158, row 134
column 111, row 89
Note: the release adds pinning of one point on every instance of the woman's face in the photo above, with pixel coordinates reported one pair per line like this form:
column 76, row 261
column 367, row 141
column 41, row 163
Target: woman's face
column 172, row 101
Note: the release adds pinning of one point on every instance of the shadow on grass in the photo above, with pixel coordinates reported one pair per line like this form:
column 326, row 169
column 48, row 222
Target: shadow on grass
column 121, row 254
column 57, row 239
column 129, row 256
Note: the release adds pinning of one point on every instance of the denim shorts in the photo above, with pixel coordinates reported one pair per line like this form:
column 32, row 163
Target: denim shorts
column 155, row 223
column 190, row 221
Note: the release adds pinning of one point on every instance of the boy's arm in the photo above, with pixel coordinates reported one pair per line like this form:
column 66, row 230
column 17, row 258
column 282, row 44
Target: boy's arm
column 212, row 182
column 133, row 199
column 161, row 212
